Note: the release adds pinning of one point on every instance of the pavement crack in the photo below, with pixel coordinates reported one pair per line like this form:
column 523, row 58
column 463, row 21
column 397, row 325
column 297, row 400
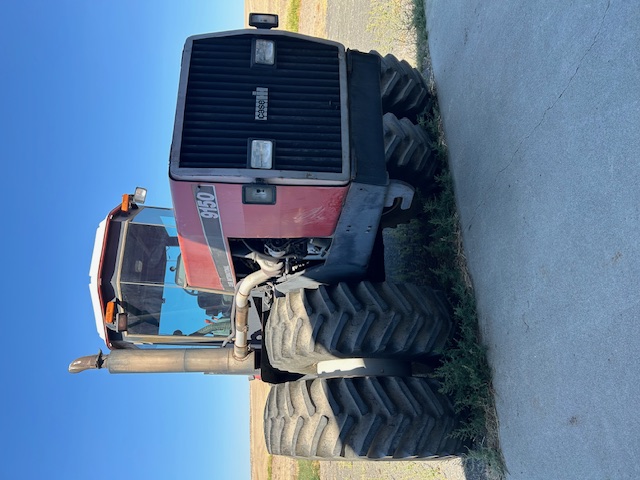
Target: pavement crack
column 549, row 108
column 526, row 137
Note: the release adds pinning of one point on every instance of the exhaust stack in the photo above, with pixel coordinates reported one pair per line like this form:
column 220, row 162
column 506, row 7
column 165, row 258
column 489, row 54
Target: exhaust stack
column 204, row 360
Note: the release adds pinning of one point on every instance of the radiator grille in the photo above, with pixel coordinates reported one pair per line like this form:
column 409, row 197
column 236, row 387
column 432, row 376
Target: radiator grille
column 303, row 119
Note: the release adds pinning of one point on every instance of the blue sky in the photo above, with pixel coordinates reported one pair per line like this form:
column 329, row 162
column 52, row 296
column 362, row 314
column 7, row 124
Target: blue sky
column 88, row 91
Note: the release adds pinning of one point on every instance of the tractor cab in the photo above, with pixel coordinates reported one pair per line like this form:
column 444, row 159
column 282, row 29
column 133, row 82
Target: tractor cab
column 138, row 287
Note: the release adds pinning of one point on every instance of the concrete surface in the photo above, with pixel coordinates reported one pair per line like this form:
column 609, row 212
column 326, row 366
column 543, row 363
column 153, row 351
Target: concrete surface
column 541, row 109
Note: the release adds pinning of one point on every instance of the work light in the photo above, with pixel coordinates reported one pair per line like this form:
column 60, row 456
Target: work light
column 261, row 154
column 264, row 52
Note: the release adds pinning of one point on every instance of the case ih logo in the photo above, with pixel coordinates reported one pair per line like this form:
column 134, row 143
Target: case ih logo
column 262, row 102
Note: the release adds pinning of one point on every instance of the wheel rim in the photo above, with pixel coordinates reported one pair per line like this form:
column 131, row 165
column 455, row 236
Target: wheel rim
column 362, row 367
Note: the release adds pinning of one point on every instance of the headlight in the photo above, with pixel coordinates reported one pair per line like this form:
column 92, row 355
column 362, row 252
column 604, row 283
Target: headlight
column 264, row 52
column 261, row 154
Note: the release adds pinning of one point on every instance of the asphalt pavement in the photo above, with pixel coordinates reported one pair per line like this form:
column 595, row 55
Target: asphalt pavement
column 541, row 109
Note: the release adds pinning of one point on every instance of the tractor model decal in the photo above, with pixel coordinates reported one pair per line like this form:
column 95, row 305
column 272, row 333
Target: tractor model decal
column 210, row 219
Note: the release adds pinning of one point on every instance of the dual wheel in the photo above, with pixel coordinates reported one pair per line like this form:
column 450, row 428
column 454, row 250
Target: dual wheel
column 409, row 149
column 351, row 414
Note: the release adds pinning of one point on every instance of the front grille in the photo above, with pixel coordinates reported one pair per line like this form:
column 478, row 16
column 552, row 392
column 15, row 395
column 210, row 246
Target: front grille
column 303, row 116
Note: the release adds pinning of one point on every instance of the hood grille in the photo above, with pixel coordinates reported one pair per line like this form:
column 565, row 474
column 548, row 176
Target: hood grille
column 303, row 109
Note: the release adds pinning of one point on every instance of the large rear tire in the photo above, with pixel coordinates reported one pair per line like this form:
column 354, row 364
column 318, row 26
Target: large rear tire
column 365, row 320
column 360, row 418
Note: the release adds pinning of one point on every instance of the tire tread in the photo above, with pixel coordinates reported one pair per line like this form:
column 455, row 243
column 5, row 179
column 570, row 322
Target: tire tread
column 398, row 427
column 365, row 320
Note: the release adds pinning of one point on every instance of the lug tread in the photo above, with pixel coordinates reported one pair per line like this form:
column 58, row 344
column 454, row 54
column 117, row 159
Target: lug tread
column 374, row 320
column 408, row 152
column 403, row 89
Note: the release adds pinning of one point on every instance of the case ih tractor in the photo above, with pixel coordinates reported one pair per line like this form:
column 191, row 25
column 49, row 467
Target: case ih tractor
column 287, row 161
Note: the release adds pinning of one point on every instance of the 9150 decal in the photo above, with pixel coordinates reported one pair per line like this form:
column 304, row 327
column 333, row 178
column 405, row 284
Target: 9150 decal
column 207, row 206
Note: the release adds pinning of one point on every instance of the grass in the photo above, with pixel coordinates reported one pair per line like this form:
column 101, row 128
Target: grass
column 308, row 470
column 417, row 22
column 292, row 16
column 433, row 243
column 389, row 21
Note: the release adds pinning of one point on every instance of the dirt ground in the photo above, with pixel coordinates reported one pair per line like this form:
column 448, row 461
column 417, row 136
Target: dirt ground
column 359, row 24
column 363, row 25
column 258, row 392
column 312, row 17
column 282, row 468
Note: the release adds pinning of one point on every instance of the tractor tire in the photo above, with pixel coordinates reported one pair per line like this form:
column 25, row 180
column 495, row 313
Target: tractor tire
column 360, row 418
column 407, row 149
column 365, row 320
column 403, row 89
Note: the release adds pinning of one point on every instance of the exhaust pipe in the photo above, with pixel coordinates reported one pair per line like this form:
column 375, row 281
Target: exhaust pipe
column 203, row 360
column 268, row 269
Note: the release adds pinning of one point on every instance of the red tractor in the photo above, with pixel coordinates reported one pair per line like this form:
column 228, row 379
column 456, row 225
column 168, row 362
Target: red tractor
column 287, row 161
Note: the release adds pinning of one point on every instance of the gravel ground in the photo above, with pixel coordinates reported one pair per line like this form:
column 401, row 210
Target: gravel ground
column 366, row 25
column 432, row 470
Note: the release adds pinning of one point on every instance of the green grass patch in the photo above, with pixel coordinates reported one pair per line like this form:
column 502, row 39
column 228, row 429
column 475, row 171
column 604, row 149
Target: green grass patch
column 418, row 21
column 308, row 470
column 292, row 16
column 270, row 467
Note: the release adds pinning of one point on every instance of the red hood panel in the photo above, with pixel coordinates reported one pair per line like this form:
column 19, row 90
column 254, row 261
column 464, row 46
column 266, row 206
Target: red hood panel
column 299, row 212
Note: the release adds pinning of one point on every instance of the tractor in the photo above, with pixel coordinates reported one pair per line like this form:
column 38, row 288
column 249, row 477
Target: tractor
column 290, row 155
